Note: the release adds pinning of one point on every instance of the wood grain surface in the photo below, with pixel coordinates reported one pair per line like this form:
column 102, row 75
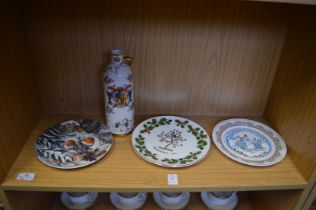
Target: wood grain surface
column 190, row 57
column 313, row 206
column 19, row 99
column 310, row 202
column 123, row 170
column 29, row 200
column 291, row 108
column 4, row 200
column 194, row 204
column 278, row 199
column 308, row 2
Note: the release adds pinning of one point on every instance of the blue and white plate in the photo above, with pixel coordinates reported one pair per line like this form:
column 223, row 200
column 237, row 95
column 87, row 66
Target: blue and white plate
column 73, row 144
column 249, row 142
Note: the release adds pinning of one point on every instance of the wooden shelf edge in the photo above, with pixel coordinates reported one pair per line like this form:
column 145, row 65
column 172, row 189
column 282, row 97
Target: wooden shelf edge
column 305, row 2
column 152, row 189
column 215, row 173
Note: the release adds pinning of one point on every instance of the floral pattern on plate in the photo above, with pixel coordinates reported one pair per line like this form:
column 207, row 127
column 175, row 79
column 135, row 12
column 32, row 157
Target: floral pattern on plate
column 171, row 141
column 73, row 144
column 249, row 142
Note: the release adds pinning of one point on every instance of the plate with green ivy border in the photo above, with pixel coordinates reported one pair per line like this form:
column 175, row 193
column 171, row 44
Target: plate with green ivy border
column 171, row 141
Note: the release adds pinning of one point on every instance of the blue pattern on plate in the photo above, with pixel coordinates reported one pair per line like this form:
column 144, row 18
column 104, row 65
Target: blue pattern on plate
column 244, row 142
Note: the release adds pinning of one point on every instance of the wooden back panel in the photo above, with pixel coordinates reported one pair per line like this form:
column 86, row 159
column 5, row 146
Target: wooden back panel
column 19, row 100
column 190, row 57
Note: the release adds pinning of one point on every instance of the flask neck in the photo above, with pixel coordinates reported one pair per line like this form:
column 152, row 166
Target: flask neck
column 117, row 56
column 117, row 59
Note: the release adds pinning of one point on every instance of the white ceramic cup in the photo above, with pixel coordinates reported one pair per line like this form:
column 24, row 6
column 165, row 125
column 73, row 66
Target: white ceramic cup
column 171, row 198
column 129, row 199
column 221, row 200
column 222, row 195
column 79, row 199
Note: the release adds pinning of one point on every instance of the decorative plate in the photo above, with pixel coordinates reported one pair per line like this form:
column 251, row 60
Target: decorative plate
column 171, row 141
column 73, row 144
column 249, row 142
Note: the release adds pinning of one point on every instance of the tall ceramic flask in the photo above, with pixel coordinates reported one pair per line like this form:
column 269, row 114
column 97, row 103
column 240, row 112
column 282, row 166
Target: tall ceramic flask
column 118, row 92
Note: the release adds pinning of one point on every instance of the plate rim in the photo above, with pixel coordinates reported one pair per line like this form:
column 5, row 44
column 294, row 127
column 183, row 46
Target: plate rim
column 165, row 165
column 72, row 167
column 240, row 160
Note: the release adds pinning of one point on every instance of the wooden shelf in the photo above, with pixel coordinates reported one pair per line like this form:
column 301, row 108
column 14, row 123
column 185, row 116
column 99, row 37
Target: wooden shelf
column 194, row 204
column 123, row 170
column 308, row 2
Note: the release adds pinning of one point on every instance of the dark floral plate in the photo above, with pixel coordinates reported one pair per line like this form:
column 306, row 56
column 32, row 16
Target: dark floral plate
column 249, row 142
column 73, row 144
column 171, row 141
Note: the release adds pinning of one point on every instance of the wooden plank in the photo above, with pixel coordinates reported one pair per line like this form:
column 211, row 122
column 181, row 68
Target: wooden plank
column 308, row 2
column 19, row 100
column 194, row 204
column 29, row 200
column 283, row 200
column 191, row 57
column 280, row 200
column 123, row 170
column 4, row 200
column 310, row 202
column 313, row 207
column 291, row 108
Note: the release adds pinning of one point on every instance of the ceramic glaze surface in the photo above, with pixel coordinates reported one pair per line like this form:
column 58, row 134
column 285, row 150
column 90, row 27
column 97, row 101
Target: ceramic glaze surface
column 118, row 89
column 215, row 203
column 92, row 199
column 249, row 142
column 171, row 141
column 173, row 203
column 73, row 144
column 128, row 203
